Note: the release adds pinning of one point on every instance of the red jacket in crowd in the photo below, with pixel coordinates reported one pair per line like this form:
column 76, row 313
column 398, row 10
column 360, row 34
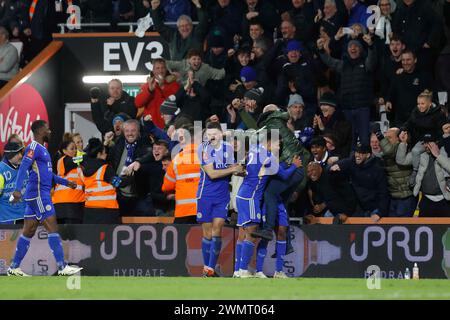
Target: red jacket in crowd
column 151, row 101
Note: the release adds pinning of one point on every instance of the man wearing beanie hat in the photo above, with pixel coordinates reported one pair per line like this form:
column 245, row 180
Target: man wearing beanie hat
column 298, row 75
column 255, row 94
column 356, row 87
column 247, row 109
column 111, row 136
column 248, row 77
column 295, row 108
column 169, row 106
column 216, row 56
column 294, row 45
column 9, row 167
column 216, row 41
column 331, row 120
column 368, row 180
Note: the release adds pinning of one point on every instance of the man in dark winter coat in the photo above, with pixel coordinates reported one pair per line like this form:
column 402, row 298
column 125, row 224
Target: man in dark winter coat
column 104, row 110
column 390, row 62
column 216, row 56
column 416, row 22
column 356, row 89
column 130, row 158
column 405, row 87
column 369, row 181
column 226, row 16
column 302, row 14
column 276, row 54
column 186, row 36
column 298, row 120
column 332, row 121
column 193, row 100
column 298, row 74
column 331, row 194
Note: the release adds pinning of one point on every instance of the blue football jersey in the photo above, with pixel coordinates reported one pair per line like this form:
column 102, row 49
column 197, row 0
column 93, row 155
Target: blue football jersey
column 38, row 163
column 260, row 164
column 221, row 158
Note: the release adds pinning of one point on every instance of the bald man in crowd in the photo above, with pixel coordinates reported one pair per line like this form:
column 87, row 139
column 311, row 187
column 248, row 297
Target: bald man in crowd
column 402, row 201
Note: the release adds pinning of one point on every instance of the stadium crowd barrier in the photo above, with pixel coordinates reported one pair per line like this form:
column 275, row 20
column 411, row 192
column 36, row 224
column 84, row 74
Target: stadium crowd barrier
column 159, row 249
column 414, row 220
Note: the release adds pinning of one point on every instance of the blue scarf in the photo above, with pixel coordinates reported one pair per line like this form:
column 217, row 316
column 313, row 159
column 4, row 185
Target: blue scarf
column 131, row 147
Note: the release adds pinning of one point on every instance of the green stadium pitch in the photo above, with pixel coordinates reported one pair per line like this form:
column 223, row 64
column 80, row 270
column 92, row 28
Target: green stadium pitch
column 182, row 288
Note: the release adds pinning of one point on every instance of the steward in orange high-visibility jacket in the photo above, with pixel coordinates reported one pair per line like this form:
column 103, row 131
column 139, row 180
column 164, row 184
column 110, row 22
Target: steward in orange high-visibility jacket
column 69, row 203
column 183, row 176
column 101, row 205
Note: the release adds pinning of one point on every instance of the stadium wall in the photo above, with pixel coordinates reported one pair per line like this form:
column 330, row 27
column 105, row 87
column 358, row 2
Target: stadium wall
column 105, row 54
column 35, row 93
column 175, row 250
column 55, row 77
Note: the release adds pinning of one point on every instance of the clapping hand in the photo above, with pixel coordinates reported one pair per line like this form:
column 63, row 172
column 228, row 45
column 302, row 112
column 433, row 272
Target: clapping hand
column 368, row 39
column 151, row 83
column 232, row 113
column 318, row 16
column 318, row 123
column 320, row 43
column 434, row 149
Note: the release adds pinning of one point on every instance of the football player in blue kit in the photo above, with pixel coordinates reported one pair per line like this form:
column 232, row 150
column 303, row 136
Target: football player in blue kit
column 213, row 195
column 281, row 226
column 260, row 165
column 39, row 207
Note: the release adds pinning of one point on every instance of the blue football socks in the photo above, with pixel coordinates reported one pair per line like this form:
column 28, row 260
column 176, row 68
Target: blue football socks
column 206, row 250
column 281, row 251
column 237, row 260
column 246, row 255
column 21, row 250
column 216, row 245
column 261, row 254
column 54, row 241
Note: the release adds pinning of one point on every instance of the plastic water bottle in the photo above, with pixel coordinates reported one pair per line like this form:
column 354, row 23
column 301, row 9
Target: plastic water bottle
column 416, row 272
column 407, row 274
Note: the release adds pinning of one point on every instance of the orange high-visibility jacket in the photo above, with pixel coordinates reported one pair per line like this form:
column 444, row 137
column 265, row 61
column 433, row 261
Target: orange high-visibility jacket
column 183, row 176
column 63, row 194
column 99, row 193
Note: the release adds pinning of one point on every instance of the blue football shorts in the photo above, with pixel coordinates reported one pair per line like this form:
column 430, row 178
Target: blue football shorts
column 39, row 209
column 211, row 208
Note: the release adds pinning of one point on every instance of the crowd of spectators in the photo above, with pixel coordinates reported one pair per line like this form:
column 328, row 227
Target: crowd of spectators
column 323, row 72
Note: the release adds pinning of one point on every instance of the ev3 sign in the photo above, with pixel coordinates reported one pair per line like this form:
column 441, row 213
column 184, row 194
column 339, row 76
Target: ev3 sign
column 116, row 53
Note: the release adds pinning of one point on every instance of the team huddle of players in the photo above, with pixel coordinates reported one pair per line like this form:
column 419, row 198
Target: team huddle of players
column 217, row 166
